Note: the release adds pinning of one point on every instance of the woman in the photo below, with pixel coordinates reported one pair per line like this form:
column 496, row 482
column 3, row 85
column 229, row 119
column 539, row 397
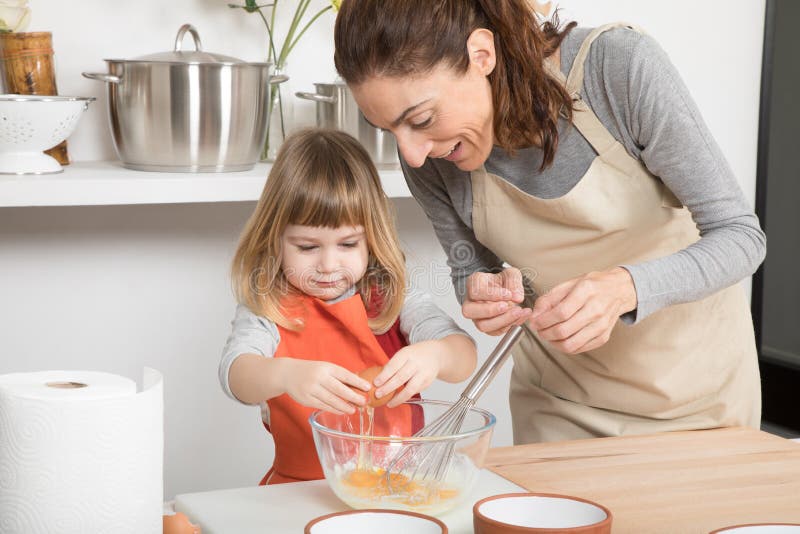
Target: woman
column 577, row 157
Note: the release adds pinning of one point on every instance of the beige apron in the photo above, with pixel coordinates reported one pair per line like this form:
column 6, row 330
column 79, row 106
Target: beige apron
column 688, row 366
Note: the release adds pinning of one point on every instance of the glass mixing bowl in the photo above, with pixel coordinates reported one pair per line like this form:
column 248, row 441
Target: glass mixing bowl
column 371, row 459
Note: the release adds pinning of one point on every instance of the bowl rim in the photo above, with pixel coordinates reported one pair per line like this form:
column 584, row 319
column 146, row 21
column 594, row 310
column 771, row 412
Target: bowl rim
column 44, row 98
column 730, row 528
column 492, row 420
column 478, row 516
column 325, row 517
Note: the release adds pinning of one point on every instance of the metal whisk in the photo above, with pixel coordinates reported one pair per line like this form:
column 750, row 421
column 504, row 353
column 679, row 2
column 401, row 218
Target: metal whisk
column 430, row 461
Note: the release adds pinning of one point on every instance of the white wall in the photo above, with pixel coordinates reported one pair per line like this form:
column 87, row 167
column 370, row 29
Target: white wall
column 118, row 287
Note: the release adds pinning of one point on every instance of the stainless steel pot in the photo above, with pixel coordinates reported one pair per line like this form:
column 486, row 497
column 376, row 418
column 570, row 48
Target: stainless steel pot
column 336, row 108
column 188, row 110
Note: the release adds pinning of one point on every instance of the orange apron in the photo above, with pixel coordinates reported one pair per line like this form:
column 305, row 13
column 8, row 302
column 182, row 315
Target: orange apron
column 336, row 333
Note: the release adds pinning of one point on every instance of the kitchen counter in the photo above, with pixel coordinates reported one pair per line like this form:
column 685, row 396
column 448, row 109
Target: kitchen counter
column 680, row 482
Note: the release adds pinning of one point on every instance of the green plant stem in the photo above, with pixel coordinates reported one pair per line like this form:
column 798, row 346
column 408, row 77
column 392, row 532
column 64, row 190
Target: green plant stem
column 267, row 24
column 269, row 32
column 308, row 24
column 272, row 25
column 298, row 15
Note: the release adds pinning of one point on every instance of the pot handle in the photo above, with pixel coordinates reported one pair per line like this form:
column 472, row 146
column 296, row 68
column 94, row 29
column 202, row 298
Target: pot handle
column 316, row 97
column 275, row 79
column 102, row 77
column 182, row 31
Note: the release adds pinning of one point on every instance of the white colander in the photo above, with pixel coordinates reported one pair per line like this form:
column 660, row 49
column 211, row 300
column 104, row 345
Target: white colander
column 30, row 124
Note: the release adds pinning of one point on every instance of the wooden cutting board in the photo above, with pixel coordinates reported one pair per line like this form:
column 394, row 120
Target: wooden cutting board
column 678, row 482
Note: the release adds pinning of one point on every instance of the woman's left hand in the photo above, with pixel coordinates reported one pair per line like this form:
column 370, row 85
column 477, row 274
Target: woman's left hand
column 578, row 315
column 415, row 367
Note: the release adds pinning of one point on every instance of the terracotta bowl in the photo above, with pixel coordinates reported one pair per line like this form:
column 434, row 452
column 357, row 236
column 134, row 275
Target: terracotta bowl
column 542, row 513
column 377, row 521
column 762, row 528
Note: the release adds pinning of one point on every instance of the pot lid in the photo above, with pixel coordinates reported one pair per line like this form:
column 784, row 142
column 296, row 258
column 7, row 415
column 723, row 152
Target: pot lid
column 193, row 57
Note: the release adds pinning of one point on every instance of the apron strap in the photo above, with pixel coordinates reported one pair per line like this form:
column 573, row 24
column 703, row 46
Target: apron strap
column 584, row 118
column 575, row 77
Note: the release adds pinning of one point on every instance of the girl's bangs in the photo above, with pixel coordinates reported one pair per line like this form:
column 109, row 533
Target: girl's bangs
column 329, row 203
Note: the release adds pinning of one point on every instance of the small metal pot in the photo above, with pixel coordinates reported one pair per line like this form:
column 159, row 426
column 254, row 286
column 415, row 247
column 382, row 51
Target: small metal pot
column 188, row 110
column 336, row 108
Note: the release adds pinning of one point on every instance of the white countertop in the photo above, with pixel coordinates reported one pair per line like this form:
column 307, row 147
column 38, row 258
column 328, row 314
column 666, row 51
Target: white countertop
column 287, row 508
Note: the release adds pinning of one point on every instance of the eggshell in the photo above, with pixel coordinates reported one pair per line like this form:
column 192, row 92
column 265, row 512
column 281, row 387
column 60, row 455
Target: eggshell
column 179, row 524
column 369, row 375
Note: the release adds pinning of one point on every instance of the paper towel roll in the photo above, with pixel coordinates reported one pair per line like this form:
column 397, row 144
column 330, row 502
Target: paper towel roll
column 81, row 452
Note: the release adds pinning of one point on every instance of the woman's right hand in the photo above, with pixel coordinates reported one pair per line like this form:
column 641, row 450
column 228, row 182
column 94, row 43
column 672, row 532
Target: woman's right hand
column 492, row 301
column 324, row 386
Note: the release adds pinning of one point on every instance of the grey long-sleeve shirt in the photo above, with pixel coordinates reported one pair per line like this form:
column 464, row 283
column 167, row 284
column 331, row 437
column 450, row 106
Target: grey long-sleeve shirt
column 639, row 97
column 420, row 320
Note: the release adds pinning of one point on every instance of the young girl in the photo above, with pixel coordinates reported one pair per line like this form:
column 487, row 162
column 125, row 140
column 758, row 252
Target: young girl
column 320, row 280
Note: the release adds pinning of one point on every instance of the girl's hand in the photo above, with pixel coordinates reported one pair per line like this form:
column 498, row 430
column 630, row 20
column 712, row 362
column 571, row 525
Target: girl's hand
column 323, row 385
column 492, row 301
column 579, row 314
column 415, row 366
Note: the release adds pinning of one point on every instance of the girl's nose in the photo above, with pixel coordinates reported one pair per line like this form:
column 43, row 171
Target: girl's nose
column 328, row 262
column 414, row 147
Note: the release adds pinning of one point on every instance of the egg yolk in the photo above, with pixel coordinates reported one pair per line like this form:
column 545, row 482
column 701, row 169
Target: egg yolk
column 376, row 483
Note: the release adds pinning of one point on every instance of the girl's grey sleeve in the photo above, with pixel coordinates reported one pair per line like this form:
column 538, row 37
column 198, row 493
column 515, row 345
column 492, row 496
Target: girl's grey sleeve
column 422, row 320
column 436, row 194
column 668, row 132
column 250, row 334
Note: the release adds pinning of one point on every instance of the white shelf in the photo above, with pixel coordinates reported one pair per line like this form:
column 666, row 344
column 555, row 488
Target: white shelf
column 96, row 183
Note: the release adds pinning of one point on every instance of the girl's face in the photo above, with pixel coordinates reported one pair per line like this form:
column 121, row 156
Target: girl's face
column 441, row 114
column 324, row 262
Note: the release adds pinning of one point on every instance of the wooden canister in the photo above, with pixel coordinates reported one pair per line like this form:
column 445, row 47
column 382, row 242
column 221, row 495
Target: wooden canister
column 26, row 67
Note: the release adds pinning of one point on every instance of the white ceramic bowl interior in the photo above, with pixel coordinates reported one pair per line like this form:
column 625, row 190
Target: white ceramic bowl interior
column 762, row 529
column 31, row 124
column 376, row 521
column 537, row 511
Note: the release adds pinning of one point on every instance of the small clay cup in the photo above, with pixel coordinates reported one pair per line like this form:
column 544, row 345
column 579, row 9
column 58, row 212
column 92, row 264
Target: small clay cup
column 377, row 521
column 539, row 513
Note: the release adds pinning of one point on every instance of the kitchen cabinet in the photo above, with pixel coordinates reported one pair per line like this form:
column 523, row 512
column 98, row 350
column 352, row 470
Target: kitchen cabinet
column 94, row 183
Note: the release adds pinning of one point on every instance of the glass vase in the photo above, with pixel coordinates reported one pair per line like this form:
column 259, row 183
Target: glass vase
column 280, row 116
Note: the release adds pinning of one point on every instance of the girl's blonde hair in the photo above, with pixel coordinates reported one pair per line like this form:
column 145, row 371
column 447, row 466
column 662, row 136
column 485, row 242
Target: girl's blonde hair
column 321, row 178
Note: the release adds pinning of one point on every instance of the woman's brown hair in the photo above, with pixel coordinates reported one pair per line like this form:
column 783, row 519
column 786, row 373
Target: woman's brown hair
column 320, row 178
column 399, row 38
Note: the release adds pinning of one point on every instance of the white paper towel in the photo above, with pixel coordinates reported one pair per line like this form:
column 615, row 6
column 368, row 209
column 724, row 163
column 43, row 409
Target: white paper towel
column 81, row 459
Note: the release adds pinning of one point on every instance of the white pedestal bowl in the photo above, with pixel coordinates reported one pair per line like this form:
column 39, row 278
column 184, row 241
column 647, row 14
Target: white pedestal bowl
column 31, row 124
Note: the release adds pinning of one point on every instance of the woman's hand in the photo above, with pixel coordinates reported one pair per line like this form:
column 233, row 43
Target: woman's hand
column 492, row 301
column 416, row 366
column 579, row 314
column 323, row 385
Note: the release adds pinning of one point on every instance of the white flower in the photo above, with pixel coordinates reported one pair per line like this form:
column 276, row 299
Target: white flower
column 14, row 15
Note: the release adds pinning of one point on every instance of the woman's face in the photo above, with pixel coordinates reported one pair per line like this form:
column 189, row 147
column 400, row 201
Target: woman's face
column 439, row 114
